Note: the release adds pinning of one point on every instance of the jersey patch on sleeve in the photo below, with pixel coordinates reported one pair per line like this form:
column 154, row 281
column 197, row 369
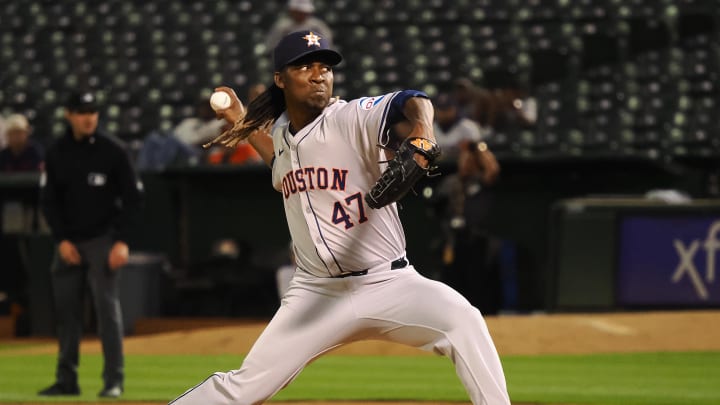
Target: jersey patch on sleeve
column 366, row 103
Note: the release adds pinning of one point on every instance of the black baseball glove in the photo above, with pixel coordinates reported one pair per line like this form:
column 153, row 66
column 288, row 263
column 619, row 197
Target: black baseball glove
column 402, row 172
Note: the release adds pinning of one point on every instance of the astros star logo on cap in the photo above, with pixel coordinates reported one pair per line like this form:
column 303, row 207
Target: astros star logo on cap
column 312, row 39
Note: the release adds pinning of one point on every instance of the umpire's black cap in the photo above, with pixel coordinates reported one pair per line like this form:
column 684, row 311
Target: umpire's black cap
column 82, row 102
column 299, row 44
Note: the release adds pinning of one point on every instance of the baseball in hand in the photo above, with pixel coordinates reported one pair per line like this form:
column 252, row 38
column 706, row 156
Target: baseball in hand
column 220, row 100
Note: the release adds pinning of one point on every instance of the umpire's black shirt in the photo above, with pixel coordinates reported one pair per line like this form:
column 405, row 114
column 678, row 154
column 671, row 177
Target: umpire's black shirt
column 89, row 189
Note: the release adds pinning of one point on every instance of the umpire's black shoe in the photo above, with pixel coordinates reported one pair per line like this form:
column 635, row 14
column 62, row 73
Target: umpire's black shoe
column 111, row 391
column 60, row 389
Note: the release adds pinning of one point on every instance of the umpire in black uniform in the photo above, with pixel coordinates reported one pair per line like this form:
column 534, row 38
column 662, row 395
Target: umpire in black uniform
column 90, row 198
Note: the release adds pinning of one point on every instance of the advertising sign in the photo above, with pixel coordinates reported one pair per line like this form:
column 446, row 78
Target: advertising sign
column 668, row 260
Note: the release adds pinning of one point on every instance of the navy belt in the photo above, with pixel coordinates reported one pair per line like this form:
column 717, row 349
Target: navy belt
column 397, row 264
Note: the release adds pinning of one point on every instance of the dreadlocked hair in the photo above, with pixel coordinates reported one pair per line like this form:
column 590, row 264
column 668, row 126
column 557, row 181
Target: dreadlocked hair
column 260, row 115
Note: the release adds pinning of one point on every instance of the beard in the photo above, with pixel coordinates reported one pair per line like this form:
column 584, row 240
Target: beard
column 317, row 103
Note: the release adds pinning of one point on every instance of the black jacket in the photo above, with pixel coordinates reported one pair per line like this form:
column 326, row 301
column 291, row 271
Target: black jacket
column 89, row 189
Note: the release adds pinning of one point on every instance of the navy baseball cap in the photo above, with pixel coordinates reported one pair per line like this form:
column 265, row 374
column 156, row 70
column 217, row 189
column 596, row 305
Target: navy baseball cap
column 299, row 44
column 82, row 102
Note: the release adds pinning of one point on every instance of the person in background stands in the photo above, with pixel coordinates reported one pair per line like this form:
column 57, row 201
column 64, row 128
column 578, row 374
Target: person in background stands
column 91, row 198
column 299, row 17
column 451, row 128
column 463, row 202
column 516, row 109
column 476, row 103
column 21, row 154
column 201, row 128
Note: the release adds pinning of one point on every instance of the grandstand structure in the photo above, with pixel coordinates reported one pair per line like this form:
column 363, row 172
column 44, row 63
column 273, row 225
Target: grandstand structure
column 632, row 78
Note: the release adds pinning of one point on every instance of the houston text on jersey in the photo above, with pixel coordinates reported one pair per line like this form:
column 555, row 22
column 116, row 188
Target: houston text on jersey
column 312, row 178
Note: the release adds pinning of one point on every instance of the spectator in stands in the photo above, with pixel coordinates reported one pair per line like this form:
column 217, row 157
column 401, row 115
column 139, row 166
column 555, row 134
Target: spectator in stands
column 515, row 109
column 476, row 103
column 463, row 202
column 183, row 145
column 21, row 153
column 91, row 199
column 451, row 128
column 464, row 93
column 197, row 130
column 299, row 17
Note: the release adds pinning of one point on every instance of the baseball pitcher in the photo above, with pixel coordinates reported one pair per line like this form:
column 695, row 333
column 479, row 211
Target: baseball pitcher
column 333, row 167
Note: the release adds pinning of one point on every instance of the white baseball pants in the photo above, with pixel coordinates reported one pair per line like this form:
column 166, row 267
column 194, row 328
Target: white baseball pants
column 319, row 314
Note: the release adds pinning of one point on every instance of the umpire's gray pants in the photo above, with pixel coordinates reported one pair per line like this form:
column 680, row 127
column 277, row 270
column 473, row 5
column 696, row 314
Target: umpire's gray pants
column 69, row 290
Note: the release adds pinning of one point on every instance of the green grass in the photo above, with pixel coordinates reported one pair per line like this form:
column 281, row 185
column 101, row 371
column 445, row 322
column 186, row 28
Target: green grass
column 617, row 379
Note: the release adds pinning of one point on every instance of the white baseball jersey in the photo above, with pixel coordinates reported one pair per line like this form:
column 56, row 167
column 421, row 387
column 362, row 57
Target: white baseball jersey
column 323, row 184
